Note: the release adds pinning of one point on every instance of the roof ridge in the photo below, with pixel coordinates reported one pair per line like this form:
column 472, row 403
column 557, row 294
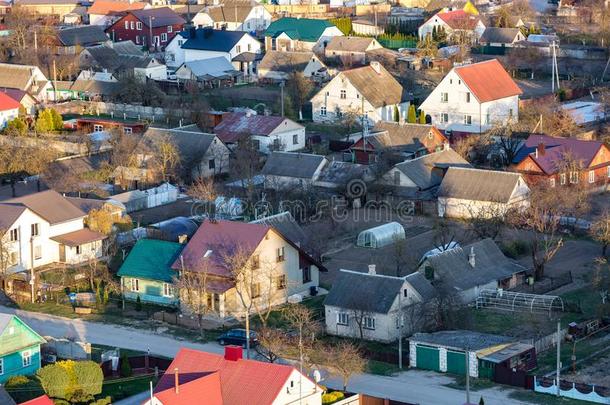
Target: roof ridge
column 361, row 273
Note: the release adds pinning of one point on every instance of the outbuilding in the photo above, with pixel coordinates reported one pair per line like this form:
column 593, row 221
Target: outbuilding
column 381, row 235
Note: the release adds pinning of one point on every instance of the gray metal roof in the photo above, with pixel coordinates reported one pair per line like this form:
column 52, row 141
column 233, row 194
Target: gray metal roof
column 83, row 36
column 340, row 173
column 453, row 272
column 218, row 67
column 285, row 224
column 508, row 352
column 478, row 185
column 292, row 164
column 158, row 16
column 461, row 339
column 420, row 170
column 499, row 35
column 423, row 287
column 364, row 292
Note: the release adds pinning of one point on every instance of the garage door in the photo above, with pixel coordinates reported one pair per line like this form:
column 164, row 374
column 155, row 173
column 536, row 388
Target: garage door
column 456, row 362
column 427, row 358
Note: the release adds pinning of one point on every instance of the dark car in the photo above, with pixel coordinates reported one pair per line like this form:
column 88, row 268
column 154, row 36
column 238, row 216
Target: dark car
column 237, row 337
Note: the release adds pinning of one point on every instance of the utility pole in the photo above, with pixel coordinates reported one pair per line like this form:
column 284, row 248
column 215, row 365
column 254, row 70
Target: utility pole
column 54, row 81
column 36, row 41
column 558, row 357
column 150, row 30
column 282, row 95
column 400, row 318
column 467, row 377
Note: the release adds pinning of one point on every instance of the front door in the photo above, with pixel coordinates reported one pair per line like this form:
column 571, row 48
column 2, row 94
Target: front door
column 62, row 253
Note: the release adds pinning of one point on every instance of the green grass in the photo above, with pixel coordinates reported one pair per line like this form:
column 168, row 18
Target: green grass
column 547, row 361
column 381, row 368
column 476, row 384
column 126, row 387
column 543, row 399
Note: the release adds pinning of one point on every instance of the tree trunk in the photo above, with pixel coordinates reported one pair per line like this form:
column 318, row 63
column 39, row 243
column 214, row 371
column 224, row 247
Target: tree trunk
column 538, row 271
column 200, row 320
column 604, row 249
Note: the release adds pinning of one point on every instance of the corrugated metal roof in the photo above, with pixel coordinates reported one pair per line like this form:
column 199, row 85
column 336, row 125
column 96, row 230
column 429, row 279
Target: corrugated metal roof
column 207, row 39
column 292, row 164
column 79, row 237
column 151, row 259
column 234, row 125
column 50, row 205
column 160, row 16
column 83, row 36
column 479, row 185
column 420, row 170
column 304, row 29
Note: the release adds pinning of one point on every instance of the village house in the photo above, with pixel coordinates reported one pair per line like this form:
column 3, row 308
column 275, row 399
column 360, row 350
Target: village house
column 106, row 12
column 267, row 132
column 234, row 15
column 563, row 161
column 501, row 37
column 488, row 355
column 453, row 23
column 337, row 175
column 473, row 98
column 286, row 170
column 239, row 48
column 20, row 345
column 210, row 73
column 420, row 177
column 350, row 50
column 147, row 272
column 71, row 40
column 25, row 78
column 152, row 28
column 464, row 271
column 396, row 142
column 58, row 8
column 373, row 306
column 275, row 267
column 122, row 59
column 43, row 228
column 476, row 193
column 280, row 66
column 89, row 124
column 231, row 379
column 9, row 109
column 299, row 34
column 28, row 104
column 369, row 91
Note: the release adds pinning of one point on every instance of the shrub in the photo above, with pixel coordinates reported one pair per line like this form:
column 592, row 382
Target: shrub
column 16, row 127
column 72, row 381
column 332, row 397
column 126, row 370
column 16, row 381
column 48, row 120
column 103, row 401
column 515, row 248
column 138, row 304
column 23, row 388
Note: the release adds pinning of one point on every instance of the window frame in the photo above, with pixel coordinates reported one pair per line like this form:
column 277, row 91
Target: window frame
column 467, row 119
column 255, row 290
column 343, row 94
column 281, row 282
column 168, row 290
column 1, row 366
column 295, row 139
column 343, row 318
column 552, row 182
column 37, row 252
column 444, row 97
column 164, row 37
column 170, row 28
column 98, row 127
column 134, row 285
column 323, row 111
column 306, row 274
column 26, row 355
column 35, row 229
column 280, row 254
column 574, row 177
column 562, row 178
column 14, row 235
column 591, row 176
column 139, row 25
column 368, row 322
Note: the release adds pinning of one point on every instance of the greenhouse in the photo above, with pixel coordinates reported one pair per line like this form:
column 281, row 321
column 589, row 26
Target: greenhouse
column 519, row 302
column 381, row 236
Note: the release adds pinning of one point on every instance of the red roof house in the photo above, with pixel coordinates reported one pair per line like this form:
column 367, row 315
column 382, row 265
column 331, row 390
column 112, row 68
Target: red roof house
column 42, row 400
column 488, row 80
column 7, row 103
column 563, row 161
column 459, row 19
column 230, row 379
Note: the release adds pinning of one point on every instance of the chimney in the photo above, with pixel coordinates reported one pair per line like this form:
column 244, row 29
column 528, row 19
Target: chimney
column 176, row 380
column 540, row 149
column 207, row 32
column 233, row 353
column 372, row 269
column 376, row 66
column 446, row 146
column 471, row 257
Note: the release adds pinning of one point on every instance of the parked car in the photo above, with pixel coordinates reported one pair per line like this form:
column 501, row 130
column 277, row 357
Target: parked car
column 237, row 337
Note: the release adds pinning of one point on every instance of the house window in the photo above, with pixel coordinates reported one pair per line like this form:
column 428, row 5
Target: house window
column 323, row 113
column 510, row 113
column 37, row 252
column 306, row 274
column 256, row 261
column 170, row 28
column 14, row 235
column 343, row 94
column 591, row 176
column 98, row 128
column 444, row 97
column 168, row 290
column 139, row 25
column 467, row 119
column 35, row 231
column 368, row 322
column 562, row 179
column 163, row 37
column 127, row 130
column 573, row 177
column 78, row 250
column 255, row 290
column 295, row 139
column 342, row 318
column 552, row 182
column 281, row 282
column 238, row 49
column 26, row 358
column 126, row 25
column 467, row 98
column 212, row 164
column 137, row 39
column 444, row 118
column 280, row 254
column 135, row 285
column 132, row 25
column 180, row 42
column 405, row 293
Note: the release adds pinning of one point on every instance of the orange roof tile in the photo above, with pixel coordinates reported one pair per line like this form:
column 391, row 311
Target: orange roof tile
column 459, row 19
column 105, row 7
column 488, row 80
column 7, row 102
column 193, row 392
column 43, row 400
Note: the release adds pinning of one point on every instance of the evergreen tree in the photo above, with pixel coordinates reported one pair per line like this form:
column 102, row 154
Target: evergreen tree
column 411, row 118
column 396, row 114
column 422, row 117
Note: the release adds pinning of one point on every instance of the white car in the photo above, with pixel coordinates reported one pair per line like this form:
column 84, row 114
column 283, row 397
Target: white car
column 437, row 251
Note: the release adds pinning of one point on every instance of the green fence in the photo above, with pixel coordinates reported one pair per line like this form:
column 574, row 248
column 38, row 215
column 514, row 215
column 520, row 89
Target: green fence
column 397, row 43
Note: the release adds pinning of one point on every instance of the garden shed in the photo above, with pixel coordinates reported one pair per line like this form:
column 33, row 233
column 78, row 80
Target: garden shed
column 381, row 236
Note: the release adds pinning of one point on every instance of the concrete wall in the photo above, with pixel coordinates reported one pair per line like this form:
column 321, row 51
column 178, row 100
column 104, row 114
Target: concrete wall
column 67, row 349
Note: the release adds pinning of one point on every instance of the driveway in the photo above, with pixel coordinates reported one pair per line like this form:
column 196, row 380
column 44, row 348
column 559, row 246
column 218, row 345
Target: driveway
column 414, row 386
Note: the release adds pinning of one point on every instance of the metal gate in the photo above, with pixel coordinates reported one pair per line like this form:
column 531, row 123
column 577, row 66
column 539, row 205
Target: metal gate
column 428, row 358
column 456, row 362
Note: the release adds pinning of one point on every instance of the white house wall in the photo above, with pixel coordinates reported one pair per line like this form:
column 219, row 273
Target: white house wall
column 8, row 115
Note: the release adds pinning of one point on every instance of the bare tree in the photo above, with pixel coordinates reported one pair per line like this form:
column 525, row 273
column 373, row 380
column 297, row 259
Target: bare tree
column 6, row 251
column 272, row 343
column 302, row 319
column 203, row 189
column 299, row 87
column 359, row 316
column 600, row 231
column 246, row 163
column 194, row 293
column 167, row 157
column 346, row 360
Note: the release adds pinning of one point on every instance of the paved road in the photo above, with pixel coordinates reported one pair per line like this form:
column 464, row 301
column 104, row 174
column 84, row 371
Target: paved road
column 414, row 386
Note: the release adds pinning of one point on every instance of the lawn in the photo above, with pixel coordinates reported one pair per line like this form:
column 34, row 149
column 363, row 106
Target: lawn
column 381, row 368
column 126, row 387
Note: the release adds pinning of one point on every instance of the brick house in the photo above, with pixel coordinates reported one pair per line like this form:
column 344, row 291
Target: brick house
column 563, row 161
column 139, row 25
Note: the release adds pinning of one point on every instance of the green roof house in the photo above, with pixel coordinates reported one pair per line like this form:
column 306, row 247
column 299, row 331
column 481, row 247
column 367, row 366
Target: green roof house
column 19, row 348
column 299, row 34
column 147, row 272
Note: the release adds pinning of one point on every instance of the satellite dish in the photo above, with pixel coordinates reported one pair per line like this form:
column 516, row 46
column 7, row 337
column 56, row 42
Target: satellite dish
column 317, row 377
